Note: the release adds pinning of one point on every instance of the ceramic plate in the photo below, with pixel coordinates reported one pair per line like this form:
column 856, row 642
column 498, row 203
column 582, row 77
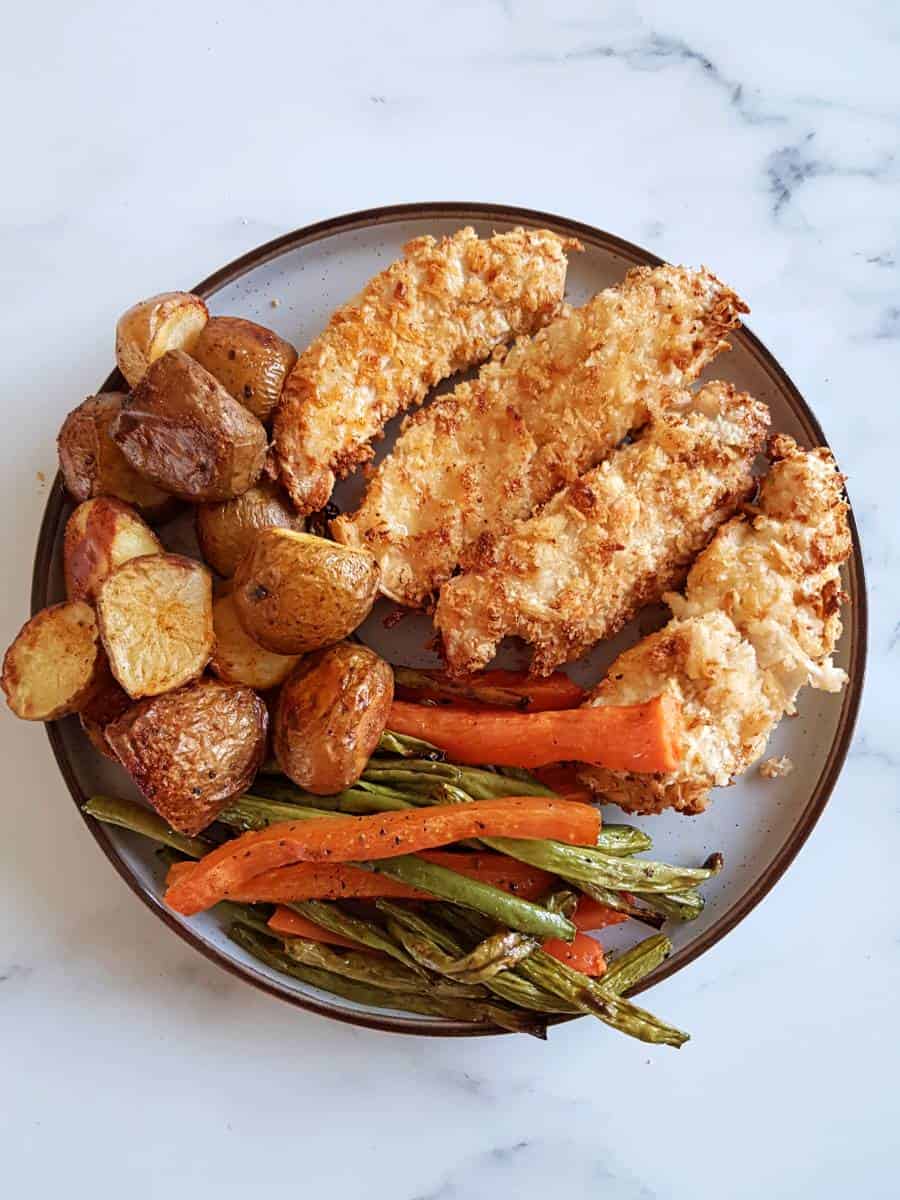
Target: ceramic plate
column 292, row 285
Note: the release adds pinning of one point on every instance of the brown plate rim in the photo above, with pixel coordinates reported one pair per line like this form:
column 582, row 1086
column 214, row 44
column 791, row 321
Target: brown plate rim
column 474, row 211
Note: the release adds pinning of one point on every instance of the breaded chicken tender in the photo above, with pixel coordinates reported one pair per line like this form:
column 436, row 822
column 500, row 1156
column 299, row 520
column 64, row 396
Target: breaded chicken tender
column 759, row 620
column 494, row 450
column 440, row 309
column 618, row 538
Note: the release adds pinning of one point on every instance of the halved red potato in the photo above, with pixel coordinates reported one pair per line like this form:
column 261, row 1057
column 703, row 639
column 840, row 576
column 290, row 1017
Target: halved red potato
column 105, row 706
column 101, row 534
column 192, row 749
column 226, row 530
column 155, row 616
column 250, row 361
column 55, row 664
column 238, row 659
column 93, row 465
column 170, row 321
column 183, row 431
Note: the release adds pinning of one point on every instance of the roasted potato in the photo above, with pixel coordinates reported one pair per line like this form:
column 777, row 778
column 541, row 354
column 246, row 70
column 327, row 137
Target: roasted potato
column 56, row 663
column 101, row 534
column 182, row 430
column 238, row 659
column 226, row 530
column 192, row 749
column 295, row 592
column 105, row 706
column 331, row 711
column 171, row 321
column 155, row 616
column 93, row 465
column 250, row 361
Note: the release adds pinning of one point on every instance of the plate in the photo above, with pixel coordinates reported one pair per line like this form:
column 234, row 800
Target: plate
column 292, row 284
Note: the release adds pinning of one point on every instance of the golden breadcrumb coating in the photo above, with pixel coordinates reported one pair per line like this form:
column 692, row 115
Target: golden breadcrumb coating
column 440, row 309
column 495, row 449
column 613, row 541
column 759, row 620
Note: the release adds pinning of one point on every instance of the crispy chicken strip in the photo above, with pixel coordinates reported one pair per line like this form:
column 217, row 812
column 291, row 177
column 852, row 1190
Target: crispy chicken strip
column 613, row 541
column 759, row 620
column 497, row 448
column 440, row 309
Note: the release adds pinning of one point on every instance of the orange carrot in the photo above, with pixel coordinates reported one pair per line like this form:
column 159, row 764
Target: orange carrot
column 291, row 924
column 581, row 954
column 497, row 688
column 563, row 779
column 591, row 914
column 382, row 835
column 634, row 737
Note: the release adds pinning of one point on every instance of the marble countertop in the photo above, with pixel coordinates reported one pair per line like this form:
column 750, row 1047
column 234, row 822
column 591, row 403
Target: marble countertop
column 145, row 146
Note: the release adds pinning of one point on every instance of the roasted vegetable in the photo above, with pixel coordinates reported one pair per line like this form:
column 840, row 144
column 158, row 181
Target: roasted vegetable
column 183, row 431
column 226, row 530
column 92, row 463
column 155, row 616
column 190, row 750
column 295, row 592
column 107, row 704
column 56, row 663
column 250, row 361
column 331, row 712
column 102, row 534
column 170, row 321
column 238, row 659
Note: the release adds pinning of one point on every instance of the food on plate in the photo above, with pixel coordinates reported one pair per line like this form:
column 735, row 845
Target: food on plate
column 185, row 433
column 107, row 704
column 440, row 309
column 613, row 541
column 171, row 321
column 758, row 621
column 644, row 736
column 238, row 659
column 191, row 749
column 100, row 535
column 226, row 530
column 55, row 664
column 250, row 361
column 295, row 592
column 381, row 836
column 331, row 712
column 490, row 453
column 155, row 617
column 93, row 465
column 497, row 688
column 776, row 767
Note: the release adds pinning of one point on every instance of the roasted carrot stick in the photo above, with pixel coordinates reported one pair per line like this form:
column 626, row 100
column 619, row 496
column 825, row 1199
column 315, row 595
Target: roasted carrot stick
column 581, row 954
column 496, row 689
column 563, row 779
column 291, row 924
column 591, row 914
column 634, row 737
column 381, row 835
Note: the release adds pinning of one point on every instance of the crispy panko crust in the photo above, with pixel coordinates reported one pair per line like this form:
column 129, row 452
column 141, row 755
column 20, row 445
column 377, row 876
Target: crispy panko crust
column 759, row 620
column 491, row 452
column 440, row 309
column 618, row 538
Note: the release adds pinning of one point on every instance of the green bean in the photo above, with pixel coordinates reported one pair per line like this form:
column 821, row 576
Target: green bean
column 256, row 812
column 483, row 693
column 623, row 840
column 427, row 1004
column 408, row 747
column 483, row 963
column 479, row 783
column 126, row 814
column 620, row 903
column 365, row 967
column 675, row 906
column 629, row 968
column 506, row 909
column 331, row 916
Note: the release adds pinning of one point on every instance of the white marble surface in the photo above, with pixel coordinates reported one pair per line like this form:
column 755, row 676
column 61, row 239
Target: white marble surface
column 145, row 146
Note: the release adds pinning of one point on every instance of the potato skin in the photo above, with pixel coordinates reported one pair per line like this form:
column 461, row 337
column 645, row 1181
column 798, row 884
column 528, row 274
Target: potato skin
column 190, row 750
column 155, row 618
column 56, row 663
column 105, row 706
column 101, row 534
column 227, row 530
column 331, row 711
column 250, row 361
column 238, row 659
column 295, row 592
column 93, row 465
column 183, row 431
column 169, row 321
